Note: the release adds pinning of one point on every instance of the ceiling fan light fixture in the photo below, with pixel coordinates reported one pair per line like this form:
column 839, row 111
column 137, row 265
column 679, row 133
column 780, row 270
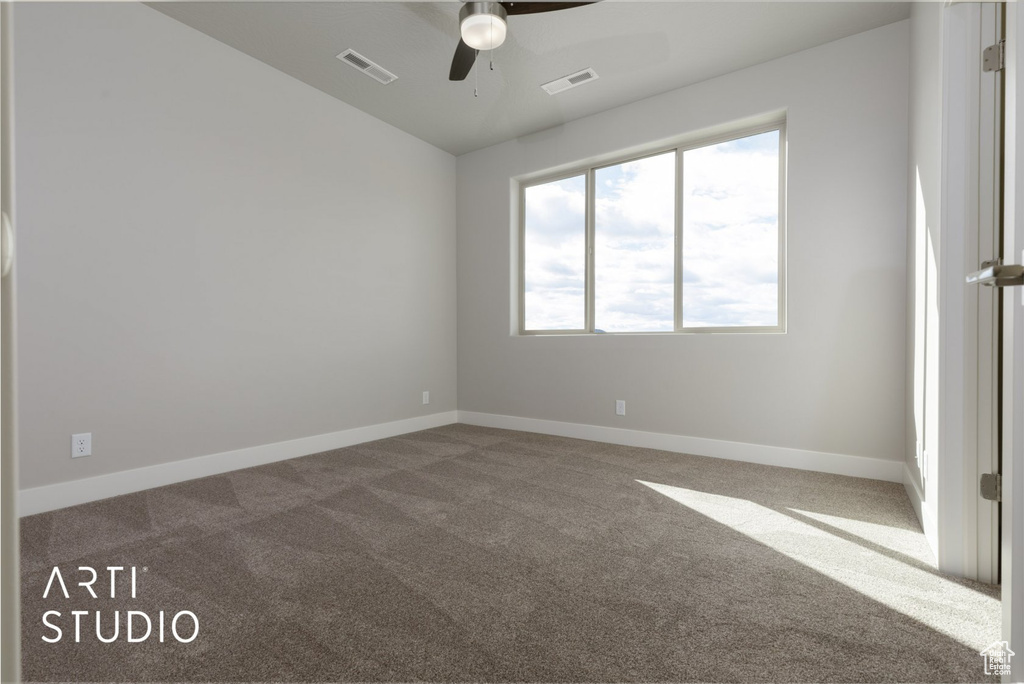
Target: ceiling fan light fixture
column 482, row 25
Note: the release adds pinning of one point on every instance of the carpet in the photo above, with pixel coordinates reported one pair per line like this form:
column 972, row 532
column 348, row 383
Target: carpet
column 468, row 554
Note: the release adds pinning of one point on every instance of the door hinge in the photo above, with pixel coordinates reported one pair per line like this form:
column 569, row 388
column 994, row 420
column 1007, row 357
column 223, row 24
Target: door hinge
column 992, row 487
column 993, row 58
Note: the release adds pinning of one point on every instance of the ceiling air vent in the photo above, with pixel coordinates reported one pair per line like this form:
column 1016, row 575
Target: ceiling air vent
column 374, row 71
column 570, row 81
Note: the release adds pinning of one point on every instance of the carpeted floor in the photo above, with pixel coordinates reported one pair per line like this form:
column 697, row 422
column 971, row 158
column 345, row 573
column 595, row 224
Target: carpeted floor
column 464, row 554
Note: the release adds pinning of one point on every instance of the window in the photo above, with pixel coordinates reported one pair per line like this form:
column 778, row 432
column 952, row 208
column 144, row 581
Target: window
column 685, row 239
column 555, row 255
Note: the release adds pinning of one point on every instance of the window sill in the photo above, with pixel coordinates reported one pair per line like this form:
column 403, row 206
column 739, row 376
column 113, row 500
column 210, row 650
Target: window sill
column 666, row 333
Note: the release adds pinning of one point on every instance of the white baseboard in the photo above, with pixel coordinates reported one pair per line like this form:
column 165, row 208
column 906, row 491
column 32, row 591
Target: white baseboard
column 924, row 515
column 63, row 494
column 914, row 494
column 839, row 464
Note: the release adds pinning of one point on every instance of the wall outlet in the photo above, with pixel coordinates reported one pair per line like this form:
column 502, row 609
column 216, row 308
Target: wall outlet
column 426, row 398
column 620, row 407
column 81, row 445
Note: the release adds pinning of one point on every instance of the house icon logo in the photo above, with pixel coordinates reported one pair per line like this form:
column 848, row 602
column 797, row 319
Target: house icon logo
column 997, row 658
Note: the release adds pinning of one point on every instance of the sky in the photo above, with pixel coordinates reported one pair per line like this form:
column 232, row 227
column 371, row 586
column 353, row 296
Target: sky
column 634, row 245
column 555, row 255
column 730, row 242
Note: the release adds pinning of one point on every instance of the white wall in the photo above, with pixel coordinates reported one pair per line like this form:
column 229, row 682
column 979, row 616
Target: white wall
column 835, row 383
column 923, row 243
column 212, row 255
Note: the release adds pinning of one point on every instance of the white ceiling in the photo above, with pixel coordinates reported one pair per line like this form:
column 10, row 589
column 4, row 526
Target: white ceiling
column 638, row 49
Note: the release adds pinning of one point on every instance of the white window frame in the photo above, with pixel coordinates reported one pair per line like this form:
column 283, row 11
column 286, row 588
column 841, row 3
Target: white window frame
column 589, row 172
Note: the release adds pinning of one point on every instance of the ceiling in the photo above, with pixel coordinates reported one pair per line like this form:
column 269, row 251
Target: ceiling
column 638, row 49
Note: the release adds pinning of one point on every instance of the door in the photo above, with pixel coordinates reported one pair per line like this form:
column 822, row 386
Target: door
column 983, row 319
column 989, row 300
column 1006, row 279
column 1012, row 530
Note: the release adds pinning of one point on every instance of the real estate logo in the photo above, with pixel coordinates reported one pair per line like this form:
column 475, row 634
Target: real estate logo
column 138, row 626
column 997, row 658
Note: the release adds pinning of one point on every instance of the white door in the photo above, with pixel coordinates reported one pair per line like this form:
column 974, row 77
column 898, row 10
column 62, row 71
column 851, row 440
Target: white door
column 1012, row 532
column 984, row 304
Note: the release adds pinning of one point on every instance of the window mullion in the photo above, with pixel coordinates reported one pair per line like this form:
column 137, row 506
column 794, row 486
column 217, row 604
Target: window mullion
column 782, row 223
column 589, row 287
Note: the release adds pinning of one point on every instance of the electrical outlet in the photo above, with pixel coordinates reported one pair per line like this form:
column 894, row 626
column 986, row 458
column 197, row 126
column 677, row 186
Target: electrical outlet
column 620, row 407
column 426, row 398
column 81, row 445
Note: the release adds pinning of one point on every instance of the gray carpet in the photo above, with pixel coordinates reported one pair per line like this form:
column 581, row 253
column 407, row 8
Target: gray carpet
column 465, row 554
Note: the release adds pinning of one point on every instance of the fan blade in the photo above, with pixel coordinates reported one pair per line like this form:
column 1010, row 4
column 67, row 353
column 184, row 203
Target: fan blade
column 462, row 62
column 535, row 7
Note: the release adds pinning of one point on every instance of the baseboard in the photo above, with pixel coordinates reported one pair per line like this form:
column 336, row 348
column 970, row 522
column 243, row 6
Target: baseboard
column 64, row 494
column 924, row 515
column 914, row 494
column 839, row 464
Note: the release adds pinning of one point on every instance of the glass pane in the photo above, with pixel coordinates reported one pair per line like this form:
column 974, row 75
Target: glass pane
column 634, row 245
column 731, row 233
column 555, row 255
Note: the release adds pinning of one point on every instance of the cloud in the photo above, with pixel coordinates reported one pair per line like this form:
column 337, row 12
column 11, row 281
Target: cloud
column 730, row 233
column 555, row 267
column 634, row 236
column 555, row 256
column 555, row 212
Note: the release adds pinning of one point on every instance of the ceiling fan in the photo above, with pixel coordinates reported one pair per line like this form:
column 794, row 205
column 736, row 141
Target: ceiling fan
column 483, row 27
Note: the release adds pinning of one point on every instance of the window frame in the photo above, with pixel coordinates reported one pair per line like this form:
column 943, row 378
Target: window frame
column 588, row 171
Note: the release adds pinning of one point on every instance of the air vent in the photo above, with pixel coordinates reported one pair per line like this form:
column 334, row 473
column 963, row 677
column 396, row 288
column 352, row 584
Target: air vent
column 374, row 71
column 570, row 81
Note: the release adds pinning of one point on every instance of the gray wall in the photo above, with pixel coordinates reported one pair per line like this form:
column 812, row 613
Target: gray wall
column 836, row 382
column 212, row 255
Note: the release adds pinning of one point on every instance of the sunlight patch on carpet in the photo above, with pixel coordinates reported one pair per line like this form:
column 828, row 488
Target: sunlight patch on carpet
column 866, row 558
